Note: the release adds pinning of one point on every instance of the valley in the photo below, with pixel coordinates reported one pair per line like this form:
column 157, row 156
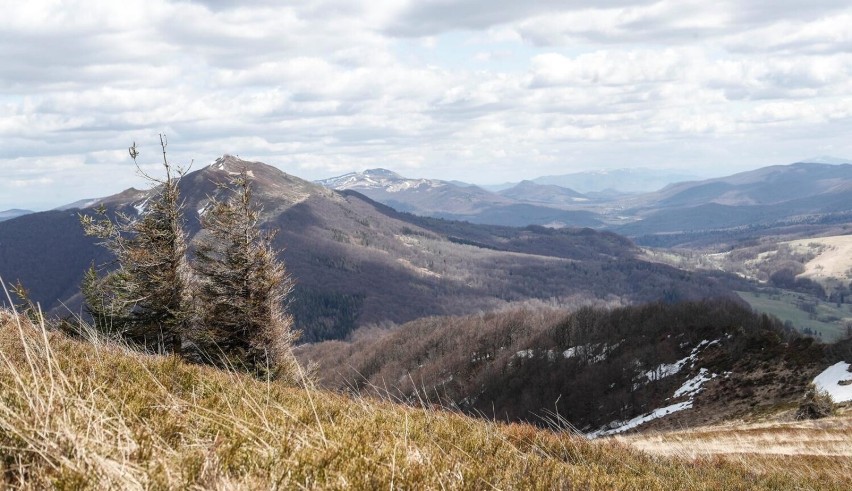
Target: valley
column 452, row 245
column 570, row 329
column 805, row 282
column 812, row 316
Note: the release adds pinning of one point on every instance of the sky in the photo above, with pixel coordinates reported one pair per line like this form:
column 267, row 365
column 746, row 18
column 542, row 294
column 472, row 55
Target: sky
column 482, row 91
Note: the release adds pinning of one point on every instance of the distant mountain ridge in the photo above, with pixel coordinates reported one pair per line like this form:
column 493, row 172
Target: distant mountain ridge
column 791, row 200
column 775, row 197
column 628, row 180
column 423, row 195
column 767, row 185
column 357, row 261
column 546, row 194
column 13, row 213
column 377, row 179
column 456, row 201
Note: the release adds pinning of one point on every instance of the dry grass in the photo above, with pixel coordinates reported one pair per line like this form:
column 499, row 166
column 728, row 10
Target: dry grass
column 813, row 449
column 833, row 257
column 77, row 415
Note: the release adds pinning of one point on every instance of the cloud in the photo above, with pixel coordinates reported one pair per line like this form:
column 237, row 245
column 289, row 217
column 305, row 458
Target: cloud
column 430, row 17
column 474, row 90
column 677, row 22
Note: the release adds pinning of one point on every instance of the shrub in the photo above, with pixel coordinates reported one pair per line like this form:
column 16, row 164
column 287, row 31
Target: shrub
column 816, row 404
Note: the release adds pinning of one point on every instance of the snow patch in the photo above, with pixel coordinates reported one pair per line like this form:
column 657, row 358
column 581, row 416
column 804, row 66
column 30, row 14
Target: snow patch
column 830, row 381
column 140, row 208
column 689, row 389
column 423, row 271
column 529, row 353
column 249, row 173
column 693, row 386
column 669, row 369
column 622, row 426
column 594, row 353
column 87, row 204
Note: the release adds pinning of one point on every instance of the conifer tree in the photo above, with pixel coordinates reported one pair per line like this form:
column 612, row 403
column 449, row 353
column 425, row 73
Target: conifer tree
column 243, row 287
column 146, row 299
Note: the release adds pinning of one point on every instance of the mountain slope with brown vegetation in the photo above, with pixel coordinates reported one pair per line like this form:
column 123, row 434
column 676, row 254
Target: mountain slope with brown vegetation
column 77, row 415
column 597, row 369
column 356, row 261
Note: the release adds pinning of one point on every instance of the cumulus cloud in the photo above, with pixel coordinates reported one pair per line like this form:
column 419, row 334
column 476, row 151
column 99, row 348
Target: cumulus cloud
column 435, row 88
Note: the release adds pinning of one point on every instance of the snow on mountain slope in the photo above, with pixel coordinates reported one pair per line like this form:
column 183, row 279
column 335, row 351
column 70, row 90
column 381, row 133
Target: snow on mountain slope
column 379, row 179
column 837, row 381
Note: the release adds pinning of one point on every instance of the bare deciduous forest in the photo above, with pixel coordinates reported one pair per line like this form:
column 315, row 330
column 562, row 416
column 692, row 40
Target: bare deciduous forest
column 590, row 366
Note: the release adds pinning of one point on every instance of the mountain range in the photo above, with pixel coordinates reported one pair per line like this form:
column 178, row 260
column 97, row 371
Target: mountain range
column 770, row 200
column 800, row 198
column 623, row 181
column 394, row 294
column 357, row 261
column 609, row 182
column 525, row 204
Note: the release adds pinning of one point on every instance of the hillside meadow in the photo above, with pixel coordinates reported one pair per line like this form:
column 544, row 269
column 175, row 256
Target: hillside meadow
column 91, row 414
column 813, row 448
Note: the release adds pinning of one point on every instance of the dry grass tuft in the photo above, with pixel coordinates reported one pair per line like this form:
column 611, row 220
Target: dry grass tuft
column 77, row 415
column 812, row 450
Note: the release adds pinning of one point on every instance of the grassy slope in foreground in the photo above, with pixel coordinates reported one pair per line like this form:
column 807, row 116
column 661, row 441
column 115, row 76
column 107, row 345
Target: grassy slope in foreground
column 76, row 415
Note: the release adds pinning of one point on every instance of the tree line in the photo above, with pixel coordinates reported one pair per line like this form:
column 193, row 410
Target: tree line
column 224, row 307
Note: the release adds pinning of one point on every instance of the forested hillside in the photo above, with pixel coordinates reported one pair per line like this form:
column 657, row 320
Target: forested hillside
column 592, row 367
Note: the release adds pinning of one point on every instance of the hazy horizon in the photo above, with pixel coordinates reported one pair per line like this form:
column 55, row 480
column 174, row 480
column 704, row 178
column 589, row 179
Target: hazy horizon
column 478, row 91
column 143, row 184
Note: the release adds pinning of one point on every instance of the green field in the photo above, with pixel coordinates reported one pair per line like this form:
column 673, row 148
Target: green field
column 828, row 320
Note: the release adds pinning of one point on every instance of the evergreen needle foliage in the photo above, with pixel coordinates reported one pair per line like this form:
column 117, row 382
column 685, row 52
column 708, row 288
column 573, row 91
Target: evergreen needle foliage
column 227, row 308
column 243, row 287
column 146, row 299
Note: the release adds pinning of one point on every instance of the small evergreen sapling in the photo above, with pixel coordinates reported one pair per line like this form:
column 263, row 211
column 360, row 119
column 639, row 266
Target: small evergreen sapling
column 147, row 298
column 243, row 287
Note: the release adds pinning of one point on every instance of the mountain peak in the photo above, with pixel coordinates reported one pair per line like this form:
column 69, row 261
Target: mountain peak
column 230, row 163
column 379, row 172
column 373, row 179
